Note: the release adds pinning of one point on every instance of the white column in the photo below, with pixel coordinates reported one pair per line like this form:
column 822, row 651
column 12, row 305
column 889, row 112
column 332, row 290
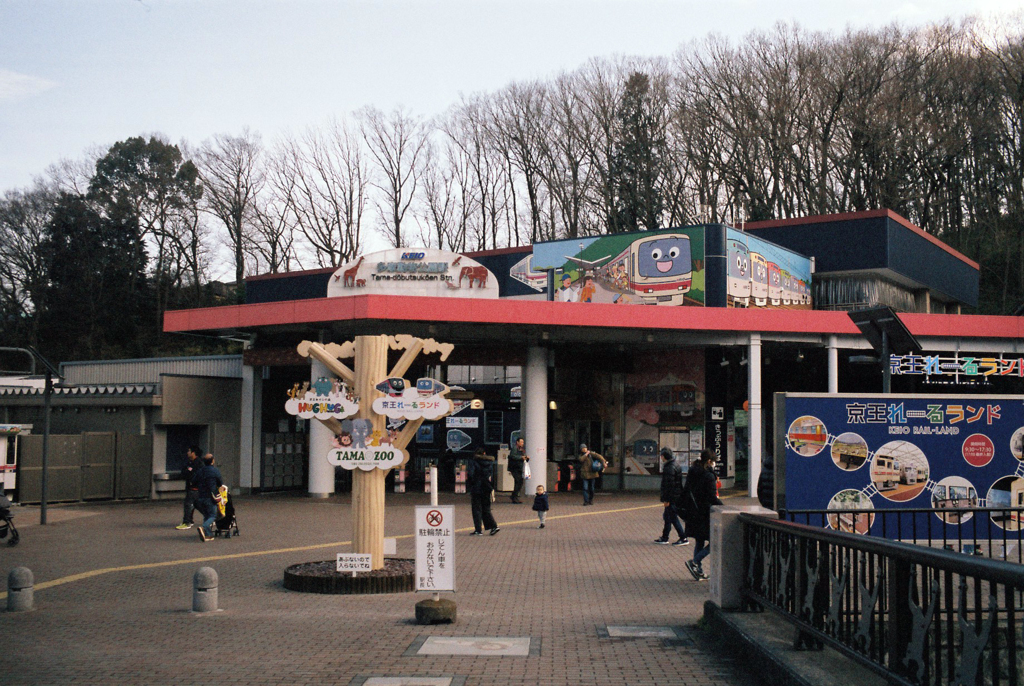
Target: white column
column 535, row 407
column 754, row 384
column 833, row 364
column 321, row 472
column 524, row 392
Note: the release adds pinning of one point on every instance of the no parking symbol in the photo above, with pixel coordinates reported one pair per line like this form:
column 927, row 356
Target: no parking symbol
column 435, row 548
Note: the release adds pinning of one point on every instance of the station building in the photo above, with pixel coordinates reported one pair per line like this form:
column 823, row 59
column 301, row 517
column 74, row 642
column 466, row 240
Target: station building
column 677, row 338
column 628, row 342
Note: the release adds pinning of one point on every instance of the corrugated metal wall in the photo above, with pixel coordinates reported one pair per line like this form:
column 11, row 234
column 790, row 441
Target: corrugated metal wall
column 149, row 370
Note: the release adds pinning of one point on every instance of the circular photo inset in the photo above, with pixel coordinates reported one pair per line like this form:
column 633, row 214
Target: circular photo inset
column 953, row 493
column 899, row 470
column 807, row 435
column 1007, row 492
column 845, row 520
column 849, row 451
column 1017, row 443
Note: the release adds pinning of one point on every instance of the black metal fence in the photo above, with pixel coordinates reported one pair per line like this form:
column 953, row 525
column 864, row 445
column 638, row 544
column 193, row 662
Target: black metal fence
column 915, row 614
column 989, row 532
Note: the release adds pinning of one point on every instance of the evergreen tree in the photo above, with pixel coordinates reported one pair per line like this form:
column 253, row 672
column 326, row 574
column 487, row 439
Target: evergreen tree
column 94, row 288
column 637, row 159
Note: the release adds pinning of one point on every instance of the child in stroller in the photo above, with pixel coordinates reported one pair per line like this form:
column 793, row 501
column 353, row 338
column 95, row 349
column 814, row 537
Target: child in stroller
column 7, row 522
column 225, row 525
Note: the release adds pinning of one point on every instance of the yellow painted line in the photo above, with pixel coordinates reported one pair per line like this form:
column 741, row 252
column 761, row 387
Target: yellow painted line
column 278, row 551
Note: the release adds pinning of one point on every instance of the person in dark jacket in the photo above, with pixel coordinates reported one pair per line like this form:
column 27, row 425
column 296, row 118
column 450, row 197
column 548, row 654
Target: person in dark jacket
column 189, row 473
column 540, row 505
column 481, row 467
column 209, row 482
column 517, row 460
column 702, row 482
column 671, row 498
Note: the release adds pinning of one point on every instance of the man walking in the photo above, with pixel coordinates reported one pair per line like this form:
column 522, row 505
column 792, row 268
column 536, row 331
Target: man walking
column 189, row 473
column 671, row 497
column 588, row 473
column 517, row 460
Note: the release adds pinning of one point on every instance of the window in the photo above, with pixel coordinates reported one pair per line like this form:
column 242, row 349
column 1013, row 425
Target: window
column 494, row 427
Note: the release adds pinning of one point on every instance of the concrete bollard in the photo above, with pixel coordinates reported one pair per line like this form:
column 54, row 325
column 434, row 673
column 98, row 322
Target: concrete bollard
column 20, row 590
column 204, row 590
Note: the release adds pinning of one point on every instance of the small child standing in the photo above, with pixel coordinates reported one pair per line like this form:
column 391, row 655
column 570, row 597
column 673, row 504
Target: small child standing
column 540, row 505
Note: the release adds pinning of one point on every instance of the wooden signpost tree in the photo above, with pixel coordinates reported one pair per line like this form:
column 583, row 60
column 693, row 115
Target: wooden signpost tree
column 369, row 369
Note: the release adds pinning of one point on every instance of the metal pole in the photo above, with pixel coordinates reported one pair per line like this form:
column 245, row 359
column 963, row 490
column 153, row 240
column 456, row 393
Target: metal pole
column 433, row 502
column 886, row 372
column 47, row 392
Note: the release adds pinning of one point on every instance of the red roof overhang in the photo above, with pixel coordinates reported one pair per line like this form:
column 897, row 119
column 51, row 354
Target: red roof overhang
column 322, row 311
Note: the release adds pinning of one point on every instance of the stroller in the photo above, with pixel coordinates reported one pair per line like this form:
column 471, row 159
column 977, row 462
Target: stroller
column 7, row 522
column 225, row 525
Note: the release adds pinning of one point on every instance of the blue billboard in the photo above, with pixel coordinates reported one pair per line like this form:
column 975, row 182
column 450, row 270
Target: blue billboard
column 844, row 451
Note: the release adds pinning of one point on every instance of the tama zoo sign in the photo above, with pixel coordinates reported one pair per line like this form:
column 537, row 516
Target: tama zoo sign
column 422, row 271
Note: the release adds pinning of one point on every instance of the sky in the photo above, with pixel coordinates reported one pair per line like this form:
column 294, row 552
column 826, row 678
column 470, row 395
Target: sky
column 81, row 74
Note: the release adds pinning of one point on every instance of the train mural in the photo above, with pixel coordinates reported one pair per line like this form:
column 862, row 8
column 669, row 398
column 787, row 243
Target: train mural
column 669, row 267
column 761, row 274
column 649, row 268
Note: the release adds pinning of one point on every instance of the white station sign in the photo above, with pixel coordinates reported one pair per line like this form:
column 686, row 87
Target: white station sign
column 420, row 271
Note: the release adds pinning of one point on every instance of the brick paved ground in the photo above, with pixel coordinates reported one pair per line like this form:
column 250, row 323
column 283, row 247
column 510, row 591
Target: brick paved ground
column 590, row 568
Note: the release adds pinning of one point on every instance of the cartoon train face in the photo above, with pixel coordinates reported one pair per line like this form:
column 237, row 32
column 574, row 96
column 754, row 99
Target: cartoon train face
column 658, row 269
column 774, row 284
column 645, row 448
column 787, row 287
column 739, row 286
column 660, row 257
column 758, row 279
column 393, row 386
column 427, row 386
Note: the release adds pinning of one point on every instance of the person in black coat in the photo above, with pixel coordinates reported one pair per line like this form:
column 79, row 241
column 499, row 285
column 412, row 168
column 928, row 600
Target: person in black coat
column 671, row 498
column 189, row 473
column 481, row 467
column 209, row 482
column 540, row 505
column 702, row 483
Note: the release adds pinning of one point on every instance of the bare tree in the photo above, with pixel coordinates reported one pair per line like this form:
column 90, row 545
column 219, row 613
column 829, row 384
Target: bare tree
column 396, row 142
column 24, row 215
column 519, row 123
column 271, row 246
column 323, row 179
column 566, row 169
column 444, row 199
column 231, row 168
